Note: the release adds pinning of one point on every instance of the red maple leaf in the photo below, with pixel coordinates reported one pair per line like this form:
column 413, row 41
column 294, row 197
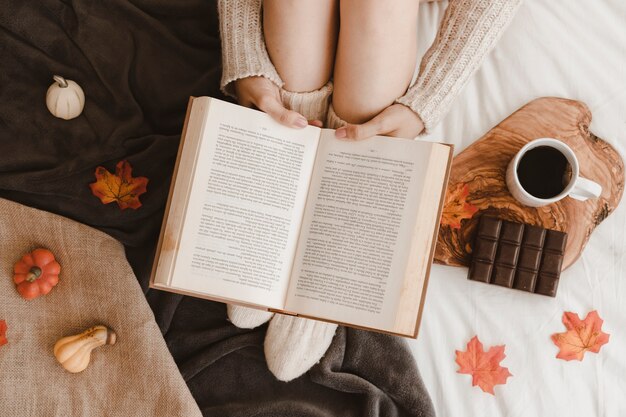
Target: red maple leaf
column 120, row 187
column 456, row 207
column 484, row 367
column 581, row 336
column 3, row 333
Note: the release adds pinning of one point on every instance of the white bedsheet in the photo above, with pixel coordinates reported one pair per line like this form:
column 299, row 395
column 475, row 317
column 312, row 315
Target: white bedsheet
column 567, row 48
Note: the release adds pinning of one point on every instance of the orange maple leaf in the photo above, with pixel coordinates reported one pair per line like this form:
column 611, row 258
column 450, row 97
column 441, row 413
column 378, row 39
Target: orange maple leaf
column 580, row 337
column 120, row 187
column 484, row 367
column 456, row 208
column 3, row 333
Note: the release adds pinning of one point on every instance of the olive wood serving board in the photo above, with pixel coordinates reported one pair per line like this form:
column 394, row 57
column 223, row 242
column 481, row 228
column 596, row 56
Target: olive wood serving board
column 477, row 181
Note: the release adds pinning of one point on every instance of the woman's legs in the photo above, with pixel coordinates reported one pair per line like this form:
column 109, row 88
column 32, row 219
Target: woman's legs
column 376, row 56
column 301, row 39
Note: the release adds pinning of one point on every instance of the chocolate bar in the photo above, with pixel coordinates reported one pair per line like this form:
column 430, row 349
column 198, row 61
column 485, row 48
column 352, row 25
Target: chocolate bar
column 516, row 255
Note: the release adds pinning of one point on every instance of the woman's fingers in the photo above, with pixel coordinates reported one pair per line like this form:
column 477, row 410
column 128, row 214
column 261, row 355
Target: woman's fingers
column 379, row 125
column 275, row 108
column 316, row 123
column 243, row 101
column 357, row 132
column 263, row 94
column 396, row 120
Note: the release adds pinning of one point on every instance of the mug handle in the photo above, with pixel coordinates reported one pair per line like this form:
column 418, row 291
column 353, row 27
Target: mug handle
column 585, row 189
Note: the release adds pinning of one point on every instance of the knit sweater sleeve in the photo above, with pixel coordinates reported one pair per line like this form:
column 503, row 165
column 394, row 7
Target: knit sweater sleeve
column 468, row 32
column 243, row 47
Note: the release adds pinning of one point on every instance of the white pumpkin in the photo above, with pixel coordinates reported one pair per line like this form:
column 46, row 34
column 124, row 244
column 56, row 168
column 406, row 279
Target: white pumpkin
column 65, row 99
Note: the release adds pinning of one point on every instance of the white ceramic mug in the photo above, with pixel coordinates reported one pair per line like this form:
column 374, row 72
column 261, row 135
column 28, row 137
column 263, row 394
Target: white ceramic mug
column 578, row 187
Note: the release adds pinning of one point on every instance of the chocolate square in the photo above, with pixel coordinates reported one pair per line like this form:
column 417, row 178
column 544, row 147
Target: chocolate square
column 516, row 255
column 489, row 227
column 530, row 258
column 555, row 241
column 512, row 232
column 503, row 275
column 534, row 236
column 546, row 285
column 480, row 271
column 485, row 250
column 507, row 254
column 525, row 280
column 551, row 263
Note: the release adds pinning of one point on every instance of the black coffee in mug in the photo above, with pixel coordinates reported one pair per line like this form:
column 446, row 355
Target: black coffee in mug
column 544, row 172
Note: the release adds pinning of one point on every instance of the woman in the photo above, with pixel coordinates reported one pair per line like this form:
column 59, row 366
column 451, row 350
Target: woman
column 348, row 63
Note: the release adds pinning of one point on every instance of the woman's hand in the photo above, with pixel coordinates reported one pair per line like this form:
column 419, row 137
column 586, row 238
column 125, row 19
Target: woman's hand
column 261, row 93
column 396, row 120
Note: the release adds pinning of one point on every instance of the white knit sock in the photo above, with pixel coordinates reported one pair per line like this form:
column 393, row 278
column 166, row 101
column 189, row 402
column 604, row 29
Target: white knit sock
column 313, row 104
column 246, row 317
column 332, row 120
column 294, row 344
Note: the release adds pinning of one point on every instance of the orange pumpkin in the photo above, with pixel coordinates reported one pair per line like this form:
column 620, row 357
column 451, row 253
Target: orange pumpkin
column 36, row 273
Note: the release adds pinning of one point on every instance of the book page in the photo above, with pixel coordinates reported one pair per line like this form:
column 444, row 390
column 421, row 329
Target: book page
column 245, row 206
column 358, row 226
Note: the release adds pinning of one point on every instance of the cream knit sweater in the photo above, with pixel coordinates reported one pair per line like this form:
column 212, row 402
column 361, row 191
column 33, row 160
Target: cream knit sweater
column 469, row 30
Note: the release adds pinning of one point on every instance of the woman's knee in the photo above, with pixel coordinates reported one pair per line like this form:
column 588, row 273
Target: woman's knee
column 376, row 56
column 301, row 39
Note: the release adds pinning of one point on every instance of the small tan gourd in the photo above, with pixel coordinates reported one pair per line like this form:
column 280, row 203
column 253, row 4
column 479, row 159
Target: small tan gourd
column 74, row 352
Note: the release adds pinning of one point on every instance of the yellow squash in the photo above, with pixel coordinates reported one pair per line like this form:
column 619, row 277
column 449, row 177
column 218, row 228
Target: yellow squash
column 74, row 352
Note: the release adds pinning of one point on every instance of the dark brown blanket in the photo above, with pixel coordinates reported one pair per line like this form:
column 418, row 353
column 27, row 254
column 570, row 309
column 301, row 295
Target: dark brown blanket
column 138, row 62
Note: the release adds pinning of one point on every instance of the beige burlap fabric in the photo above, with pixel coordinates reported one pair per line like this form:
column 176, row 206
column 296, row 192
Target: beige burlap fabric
column 135, row 377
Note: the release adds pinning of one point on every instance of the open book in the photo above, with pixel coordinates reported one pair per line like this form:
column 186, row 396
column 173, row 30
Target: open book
column 299, row 222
